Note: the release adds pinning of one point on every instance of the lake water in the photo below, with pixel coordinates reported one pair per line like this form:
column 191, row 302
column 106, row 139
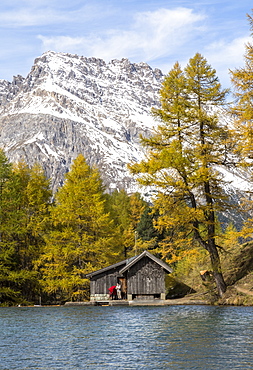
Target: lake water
column 150, row 338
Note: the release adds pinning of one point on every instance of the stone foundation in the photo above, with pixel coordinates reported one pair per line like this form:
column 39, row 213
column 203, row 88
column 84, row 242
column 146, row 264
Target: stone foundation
column 99, row 297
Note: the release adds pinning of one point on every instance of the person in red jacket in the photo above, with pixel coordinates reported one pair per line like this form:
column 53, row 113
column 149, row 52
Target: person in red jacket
column 112, row 292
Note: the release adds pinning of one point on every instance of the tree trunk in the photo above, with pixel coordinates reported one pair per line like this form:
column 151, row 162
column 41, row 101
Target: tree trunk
column 216, row 267
column 220, row 283
column 211, row 245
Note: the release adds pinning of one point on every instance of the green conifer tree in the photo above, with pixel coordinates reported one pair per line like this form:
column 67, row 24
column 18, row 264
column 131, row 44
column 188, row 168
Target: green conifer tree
column 125, row 211
column 147, row 233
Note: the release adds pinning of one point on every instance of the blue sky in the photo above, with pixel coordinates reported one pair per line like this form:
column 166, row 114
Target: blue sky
column 158, row 32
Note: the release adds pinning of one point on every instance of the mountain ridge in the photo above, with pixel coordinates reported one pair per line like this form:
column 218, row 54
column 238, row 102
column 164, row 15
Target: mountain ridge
column 69, row 105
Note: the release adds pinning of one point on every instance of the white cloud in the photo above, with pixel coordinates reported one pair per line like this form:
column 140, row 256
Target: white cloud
column 231, row 53
column 152, row 35
column 40, row 13
column 62, row 43
column 225, row 56
column 30, row 17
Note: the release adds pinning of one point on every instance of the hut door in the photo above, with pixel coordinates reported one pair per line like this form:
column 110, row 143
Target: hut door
column 123, row 284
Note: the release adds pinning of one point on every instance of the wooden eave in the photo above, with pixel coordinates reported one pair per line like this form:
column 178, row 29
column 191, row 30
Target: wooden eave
column 164, row 265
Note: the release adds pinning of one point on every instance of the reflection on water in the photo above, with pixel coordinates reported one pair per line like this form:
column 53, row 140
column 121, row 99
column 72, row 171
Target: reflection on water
column 151, row 338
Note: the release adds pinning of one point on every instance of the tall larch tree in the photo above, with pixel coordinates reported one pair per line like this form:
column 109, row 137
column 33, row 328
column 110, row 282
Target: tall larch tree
column 242, row 111
column 22, row 220
column 9, row 294
column 81, row 238
column 242, row 80
column 35, row 199
column 183, row 156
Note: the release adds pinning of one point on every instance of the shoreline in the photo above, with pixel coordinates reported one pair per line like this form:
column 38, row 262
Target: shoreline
column 166, row 302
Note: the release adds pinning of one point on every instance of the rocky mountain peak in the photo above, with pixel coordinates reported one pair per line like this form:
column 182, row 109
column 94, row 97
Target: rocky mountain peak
column 69, row 104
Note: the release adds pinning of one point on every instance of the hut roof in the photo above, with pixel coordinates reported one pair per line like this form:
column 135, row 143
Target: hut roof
column 108, row 268
column 126, row 264
column 151, row 256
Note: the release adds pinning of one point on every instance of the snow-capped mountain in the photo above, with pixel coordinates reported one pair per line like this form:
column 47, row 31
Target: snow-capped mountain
column 69, row 104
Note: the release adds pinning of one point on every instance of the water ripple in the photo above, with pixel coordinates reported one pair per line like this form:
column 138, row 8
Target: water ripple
column 126, row 338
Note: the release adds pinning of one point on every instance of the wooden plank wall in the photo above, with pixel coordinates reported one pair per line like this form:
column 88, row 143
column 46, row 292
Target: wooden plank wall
column 100, row 284
column 146, row 277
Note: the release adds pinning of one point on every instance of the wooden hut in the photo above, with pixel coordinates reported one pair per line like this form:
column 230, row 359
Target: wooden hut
column 140, row 277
